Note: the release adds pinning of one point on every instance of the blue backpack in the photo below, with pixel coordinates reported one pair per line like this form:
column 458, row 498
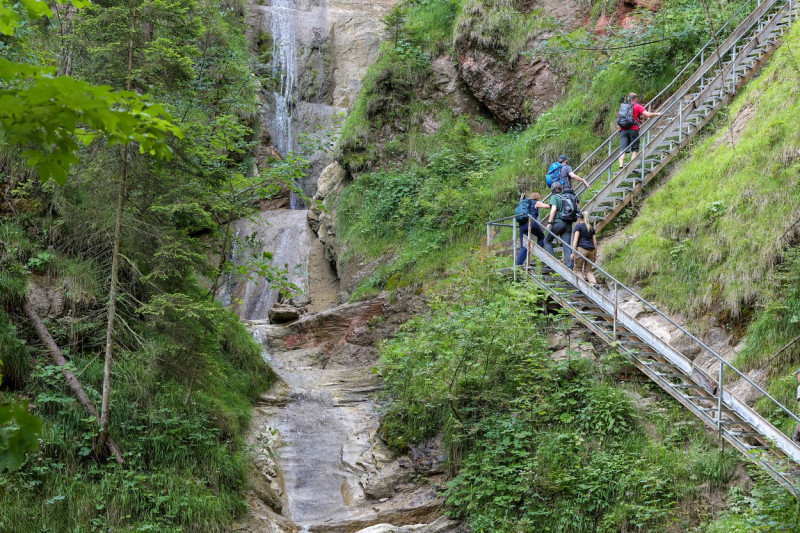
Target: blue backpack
column 523, row 210
column 553, row 173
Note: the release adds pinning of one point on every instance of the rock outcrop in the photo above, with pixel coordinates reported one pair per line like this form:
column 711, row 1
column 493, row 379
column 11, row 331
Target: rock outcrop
column 515, row 87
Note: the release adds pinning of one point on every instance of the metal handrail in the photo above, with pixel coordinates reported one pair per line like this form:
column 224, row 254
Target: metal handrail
column 700, row 54
column 677, row 101
column 618, row 283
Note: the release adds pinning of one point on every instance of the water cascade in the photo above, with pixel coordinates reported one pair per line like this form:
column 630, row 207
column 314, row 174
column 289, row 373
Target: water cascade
column 284, row 71
column 324, row 417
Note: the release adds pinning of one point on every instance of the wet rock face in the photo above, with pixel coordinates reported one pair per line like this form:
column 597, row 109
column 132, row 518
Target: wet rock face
column 333, row 42
column 320, row 464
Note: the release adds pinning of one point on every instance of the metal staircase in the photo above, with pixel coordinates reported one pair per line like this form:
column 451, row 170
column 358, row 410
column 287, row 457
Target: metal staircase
column 707, row 395
column 719, row 74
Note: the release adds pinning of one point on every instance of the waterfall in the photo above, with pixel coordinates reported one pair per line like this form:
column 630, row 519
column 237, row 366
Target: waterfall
column 284, row 71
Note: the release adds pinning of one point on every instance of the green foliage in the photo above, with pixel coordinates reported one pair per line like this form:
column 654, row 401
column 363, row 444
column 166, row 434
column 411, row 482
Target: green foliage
column 19, row 432
column 35, row 9
column 498, row 26
column 536, row 443
column 765, row 509
column 54, row 114
column 186, row 371
column 186, row 465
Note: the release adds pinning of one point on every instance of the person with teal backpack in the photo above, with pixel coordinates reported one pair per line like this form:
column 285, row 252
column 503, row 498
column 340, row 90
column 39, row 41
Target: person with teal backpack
column 526, row 213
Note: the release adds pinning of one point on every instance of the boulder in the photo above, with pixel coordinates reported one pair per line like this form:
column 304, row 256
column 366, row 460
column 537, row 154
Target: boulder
column 514, row 93
column 283, row 313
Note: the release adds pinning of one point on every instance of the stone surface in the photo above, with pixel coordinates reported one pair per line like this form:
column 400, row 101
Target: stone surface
column 517, row 89
column 319, row 456
column 282, row 313
column 321, row 214
column 515, row 93
column 287, row 235
column 334, row 42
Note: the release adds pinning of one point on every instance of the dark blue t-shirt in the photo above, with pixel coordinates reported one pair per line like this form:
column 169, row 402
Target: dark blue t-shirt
column 584, row 236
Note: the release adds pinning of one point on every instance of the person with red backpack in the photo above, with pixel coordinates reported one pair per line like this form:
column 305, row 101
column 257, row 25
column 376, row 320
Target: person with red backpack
column 630, row 111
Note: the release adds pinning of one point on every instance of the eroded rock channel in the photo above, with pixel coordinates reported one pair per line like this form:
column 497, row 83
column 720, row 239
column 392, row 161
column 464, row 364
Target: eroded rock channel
column 320, row 463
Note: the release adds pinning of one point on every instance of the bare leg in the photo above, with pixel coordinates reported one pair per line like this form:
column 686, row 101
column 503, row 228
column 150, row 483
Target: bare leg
column 621, row 160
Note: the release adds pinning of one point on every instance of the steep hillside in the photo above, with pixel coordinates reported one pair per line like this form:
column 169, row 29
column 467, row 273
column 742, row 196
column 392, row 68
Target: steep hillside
column 428, row 170
column 422, row 172
column 719, row 237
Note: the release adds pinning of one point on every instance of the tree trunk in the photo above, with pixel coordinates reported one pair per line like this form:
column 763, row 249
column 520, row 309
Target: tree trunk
column 114, row 287
column 72, row 380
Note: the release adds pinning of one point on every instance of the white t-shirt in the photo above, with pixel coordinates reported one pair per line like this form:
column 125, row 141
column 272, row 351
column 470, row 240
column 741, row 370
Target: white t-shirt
column 798, row 393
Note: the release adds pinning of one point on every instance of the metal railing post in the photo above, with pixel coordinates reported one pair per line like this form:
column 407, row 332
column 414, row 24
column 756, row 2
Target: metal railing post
column 514, row 246
column 680, row 122
column 720, row 386
column 644, row 152
column 528, row 255
column 610, row 164
column 488, row 235
column 616, row 298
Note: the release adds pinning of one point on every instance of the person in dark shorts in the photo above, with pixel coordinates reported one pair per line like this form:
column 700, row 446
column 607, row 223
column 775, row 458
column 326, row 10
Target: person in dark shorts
column 629, row 137
column 561, row 228
column 536, row 230
column 584, row 241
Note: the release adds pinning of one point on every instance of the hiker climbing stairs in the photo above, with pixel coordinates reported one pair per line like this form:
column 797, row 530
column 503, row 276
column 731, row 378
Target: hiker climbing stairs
column 721, row 71
column 706, row 394
column 720, row 68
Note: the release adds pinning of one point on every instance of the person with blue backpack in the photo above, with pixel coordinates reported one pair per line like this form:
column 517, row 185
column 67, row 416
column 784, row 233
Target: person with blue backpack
column 526, row 213
column 566, row 173
column 563, row 212
column 561, row 171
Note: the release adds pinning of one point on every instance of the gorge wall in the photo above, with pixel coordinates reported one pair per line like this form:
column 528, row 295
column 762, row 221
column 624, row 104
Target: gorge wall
column 312, row 55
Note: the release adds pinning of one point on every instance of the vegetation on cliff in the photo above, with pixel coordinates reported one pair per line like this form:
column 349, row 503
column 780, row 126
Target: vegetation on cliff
column 183, row 369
